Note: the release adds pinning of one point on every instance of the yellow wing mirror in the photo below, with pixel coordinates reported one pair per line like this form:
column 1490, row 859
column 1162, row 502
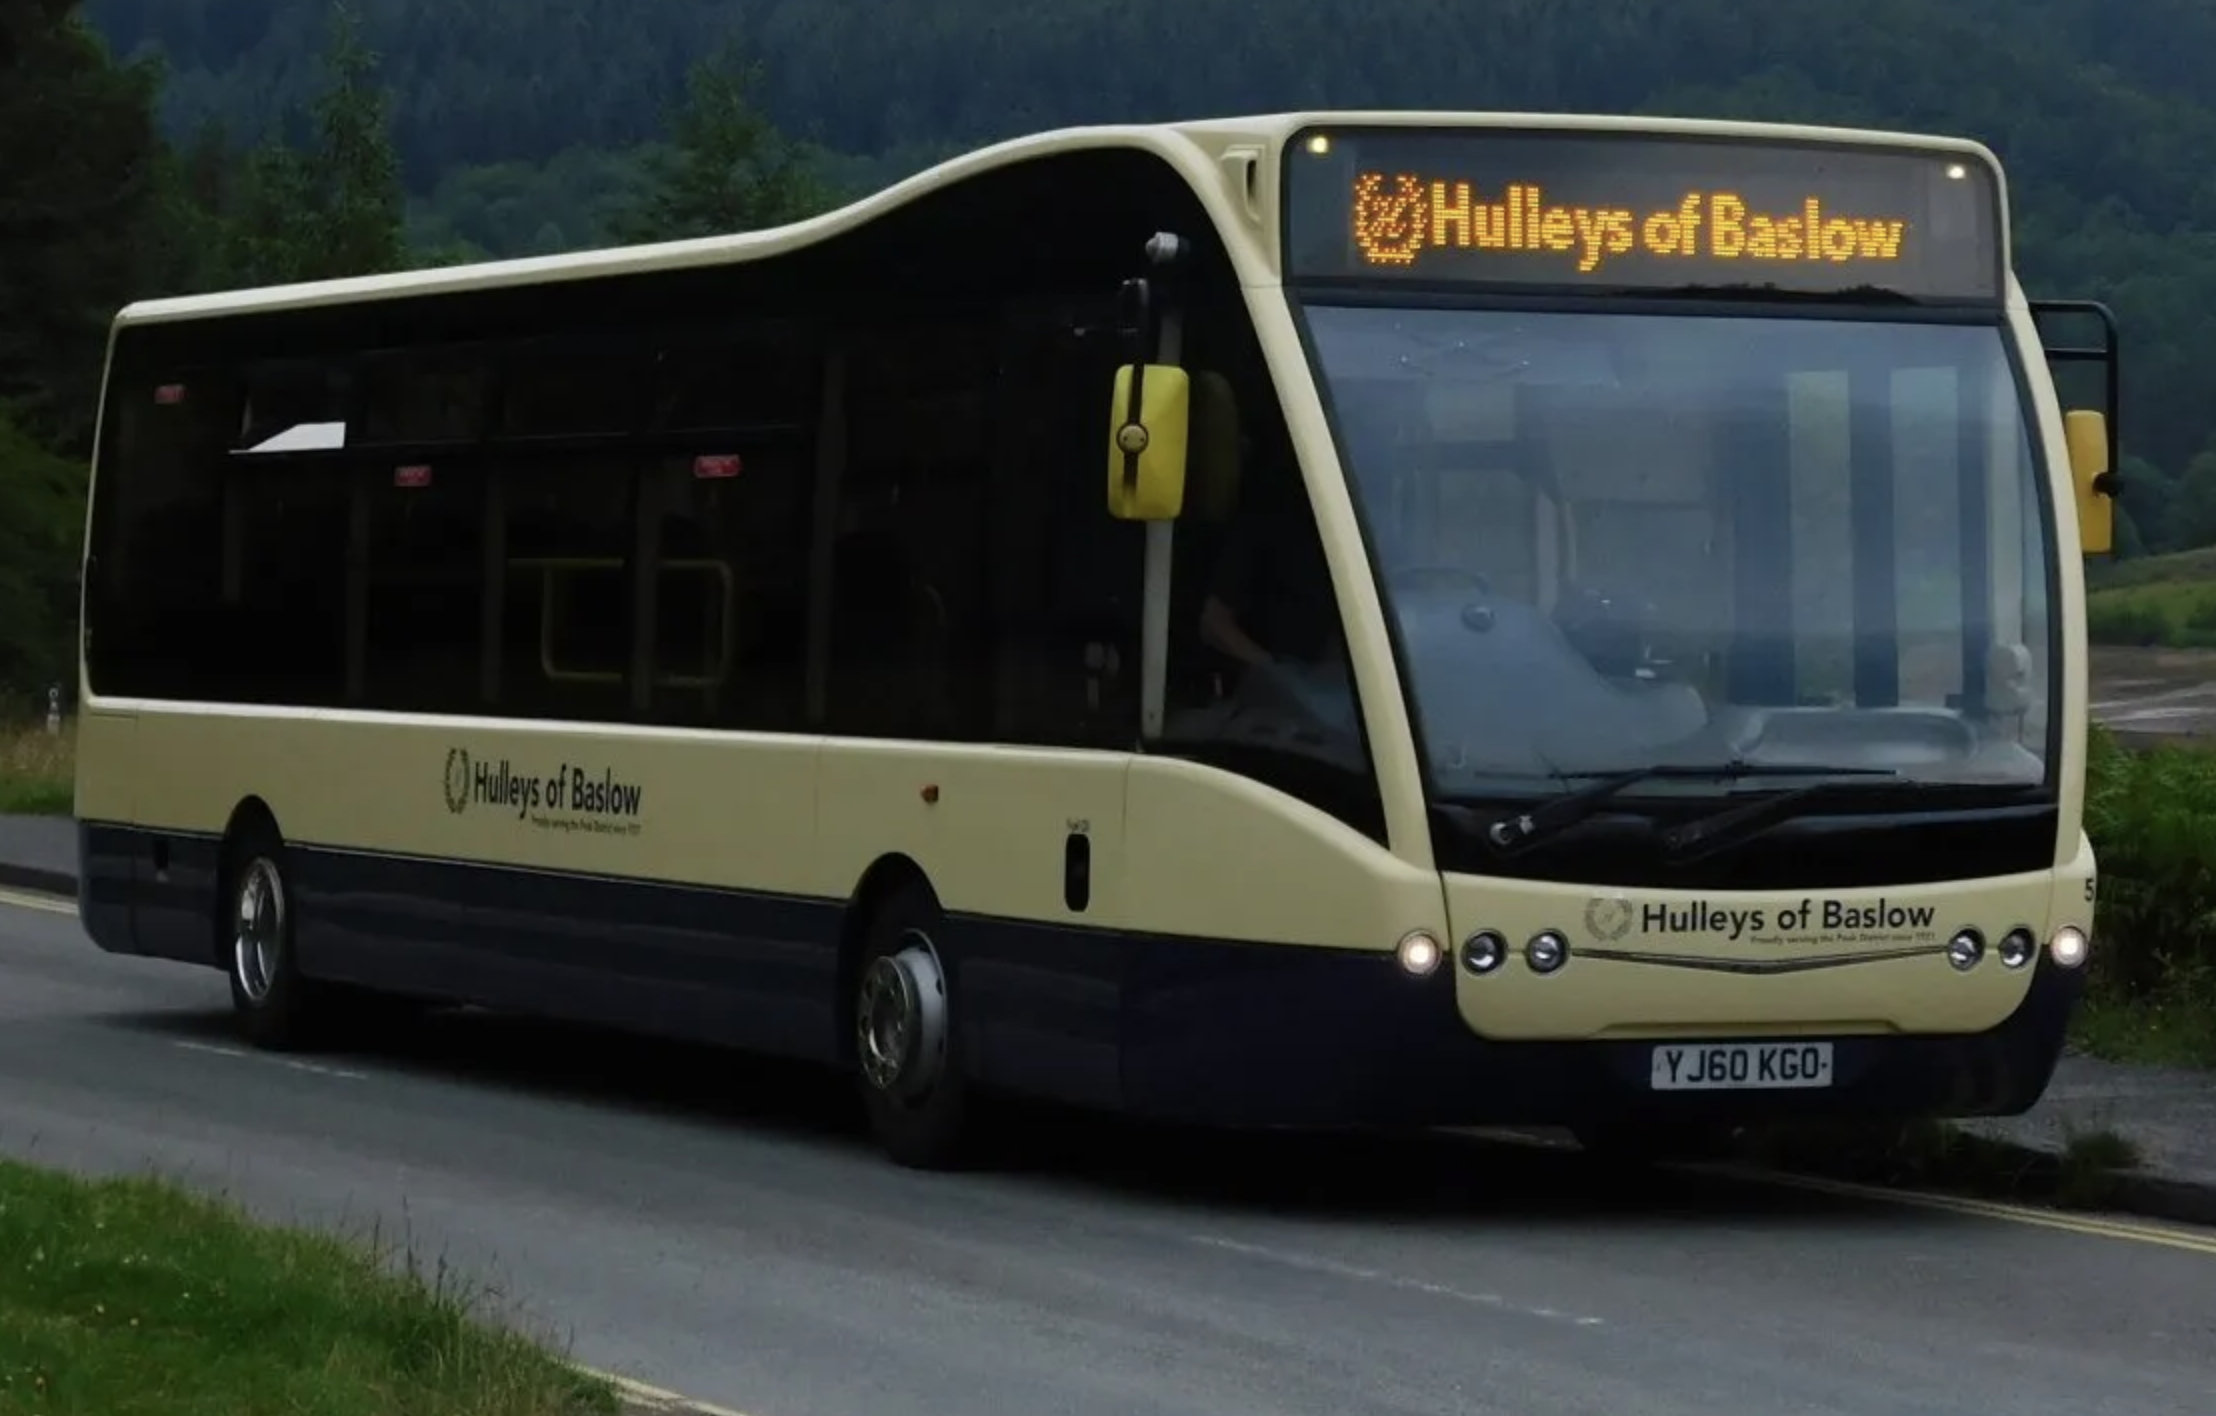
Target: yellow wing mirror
column 1150, row 425
column 2087, row 435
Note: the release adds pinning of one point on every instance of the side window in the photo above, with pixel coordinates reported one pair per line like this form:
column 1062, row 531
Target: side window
column 729, row 501
column 288, row 517
column 731, row 585
column 284, row 579
column 575, row 387
column 911, row 641
column 460, row 527
column 565, row 619
column 424, row 585
column 1259, row 682
column 426, row 569
column 221, row 551
column 155, row 612
column 426, row 396
column 699, row 469
column 294, row 405
column 1066, row 578
column 564, row 513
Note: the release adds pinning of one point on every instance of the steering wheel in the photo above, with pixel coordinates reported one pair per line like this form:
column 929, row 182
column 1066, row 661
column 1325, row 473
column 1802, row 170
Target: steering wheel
column 1451, row 573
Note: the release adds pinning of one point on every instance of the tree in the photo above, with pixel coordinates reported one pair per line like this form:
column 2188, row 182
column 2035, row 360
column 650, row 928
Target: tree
column 2147, row 503
column 80, row 164
column 728, row 167
column 42, row 509
column 2193, row 514
column 336, row 207
column 78, row 152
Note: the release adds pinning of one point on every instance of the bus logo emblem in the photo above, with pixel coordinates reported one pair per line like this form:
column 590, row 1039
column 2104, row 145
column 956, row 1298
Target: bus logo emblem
column 457, row 779
column 1608, row 918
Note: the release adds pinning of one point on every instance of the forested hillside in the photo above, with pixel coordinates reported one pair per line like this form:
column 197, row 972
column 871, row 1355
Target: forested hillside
column 530, row 125
column 510, row 117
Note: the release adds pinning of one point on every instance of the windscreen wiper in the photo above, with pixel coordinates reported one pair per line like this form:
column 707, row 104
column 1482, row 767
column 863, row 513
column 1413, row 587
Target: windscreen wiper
column 1520, row 828
column 1727, row 828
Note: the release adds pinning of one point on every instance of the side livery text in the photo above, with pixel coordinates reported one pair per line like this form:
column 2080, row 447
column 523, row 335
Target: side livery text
column 570, row 797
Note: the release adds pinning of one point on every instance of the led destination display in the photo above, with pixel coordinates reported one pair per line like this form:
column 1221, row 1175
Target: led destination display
column 1632, row 211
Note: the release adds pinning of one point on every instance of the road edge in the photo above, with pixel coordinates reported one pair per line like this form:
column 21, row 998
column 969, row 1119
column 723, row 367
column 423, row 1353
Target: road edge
column 2165, row 1197
column 2137, row 1194
column 640, row 1399
column 41, row 882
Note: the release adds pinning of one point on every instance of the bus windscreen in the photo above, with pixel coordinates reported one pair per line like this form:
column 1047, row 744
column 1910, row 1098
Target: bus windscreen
column 1625, row 213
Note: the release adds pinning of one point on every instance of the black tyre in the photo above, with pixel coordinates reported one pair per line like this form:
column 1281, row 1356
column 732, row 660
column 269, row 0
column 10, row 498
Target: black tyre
column 906, row 1021
column 277, row 1008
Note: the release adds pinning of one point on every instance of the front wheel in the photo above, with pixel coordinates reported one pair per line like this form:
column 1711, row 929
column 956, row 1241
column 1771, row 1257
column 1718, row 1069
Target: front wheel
column 906, row 1014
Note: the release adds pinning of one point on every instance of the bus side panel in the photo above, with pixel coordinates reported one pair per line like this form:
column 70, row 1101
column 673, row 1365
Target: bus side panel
column 440, row 858
column 108, row 880
column 1024, row 850
column 1261, row 984
column 1225, row 857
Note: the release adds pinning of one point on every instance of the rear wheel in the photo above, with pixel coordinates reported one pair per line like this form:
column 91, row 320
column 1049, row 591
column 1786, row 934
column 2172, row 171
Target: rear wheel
column 906, row 1016
column 277, row 1008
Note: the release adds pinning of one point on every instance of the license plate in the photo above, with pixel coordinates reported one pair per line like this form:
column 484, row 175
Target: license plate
column 1741, row 1066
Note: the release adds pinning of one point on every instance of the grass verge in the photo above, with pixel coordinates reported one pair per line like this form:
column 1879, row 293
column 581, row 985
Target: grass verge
column 38, row 770
column 120, row 1297
column 2170, row 1024
column 2151, row 814
column 2165, row 614
column 2154, row 601
column 1944, row 1158
column 2177, row 567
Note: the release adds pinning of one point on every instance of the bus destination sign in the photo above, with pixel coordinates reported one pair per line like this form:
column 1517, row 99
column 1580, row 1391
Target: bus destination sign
column 1627, row 212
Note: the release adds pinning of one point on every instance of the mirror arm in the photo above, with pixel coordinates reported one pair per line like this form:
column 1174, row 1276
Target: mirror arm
column 1138, row 297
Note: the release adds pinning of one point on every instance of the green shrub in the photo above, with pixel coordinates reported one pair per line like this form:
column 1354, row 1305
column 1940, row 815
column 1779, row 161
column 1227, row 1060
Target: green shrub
column 2135, row 624
column 2169, row 614
column 2152, row 818
column 2197, row 565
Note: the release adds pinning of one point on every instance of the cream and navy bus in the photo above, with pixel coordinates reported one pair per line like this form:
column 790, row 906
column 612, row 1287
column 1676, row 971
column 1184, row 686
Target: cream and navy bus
column 1318, row 620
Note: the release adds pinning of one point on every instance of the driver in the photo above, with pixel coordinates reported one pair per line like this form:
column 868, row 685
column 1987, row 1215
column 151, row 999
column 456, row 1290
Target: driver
column 1270, row 600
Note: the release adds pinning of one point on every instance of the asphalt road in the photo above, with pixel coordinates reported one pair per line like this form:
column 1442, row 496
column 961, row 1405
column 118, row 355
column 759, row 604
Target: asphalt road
column 724, row 1229
column 2155, row 693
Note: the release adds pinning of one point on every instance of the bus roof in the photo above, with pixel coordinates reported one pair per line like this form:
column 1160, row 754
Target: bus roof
column 1201, row 138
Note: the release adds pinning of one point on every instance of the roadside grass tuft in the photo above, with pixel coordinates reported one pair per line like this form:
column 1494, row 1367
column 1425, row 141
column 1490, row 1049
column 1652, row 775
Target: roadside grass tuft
column 2151, row 995
column 38, row 769
column 1945, row 1158
column 127, row 1296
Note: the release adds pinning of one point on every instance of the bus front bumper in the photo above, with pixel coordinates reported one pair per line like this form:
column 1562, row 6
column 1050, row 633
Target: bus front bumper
column 1332, row 1040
